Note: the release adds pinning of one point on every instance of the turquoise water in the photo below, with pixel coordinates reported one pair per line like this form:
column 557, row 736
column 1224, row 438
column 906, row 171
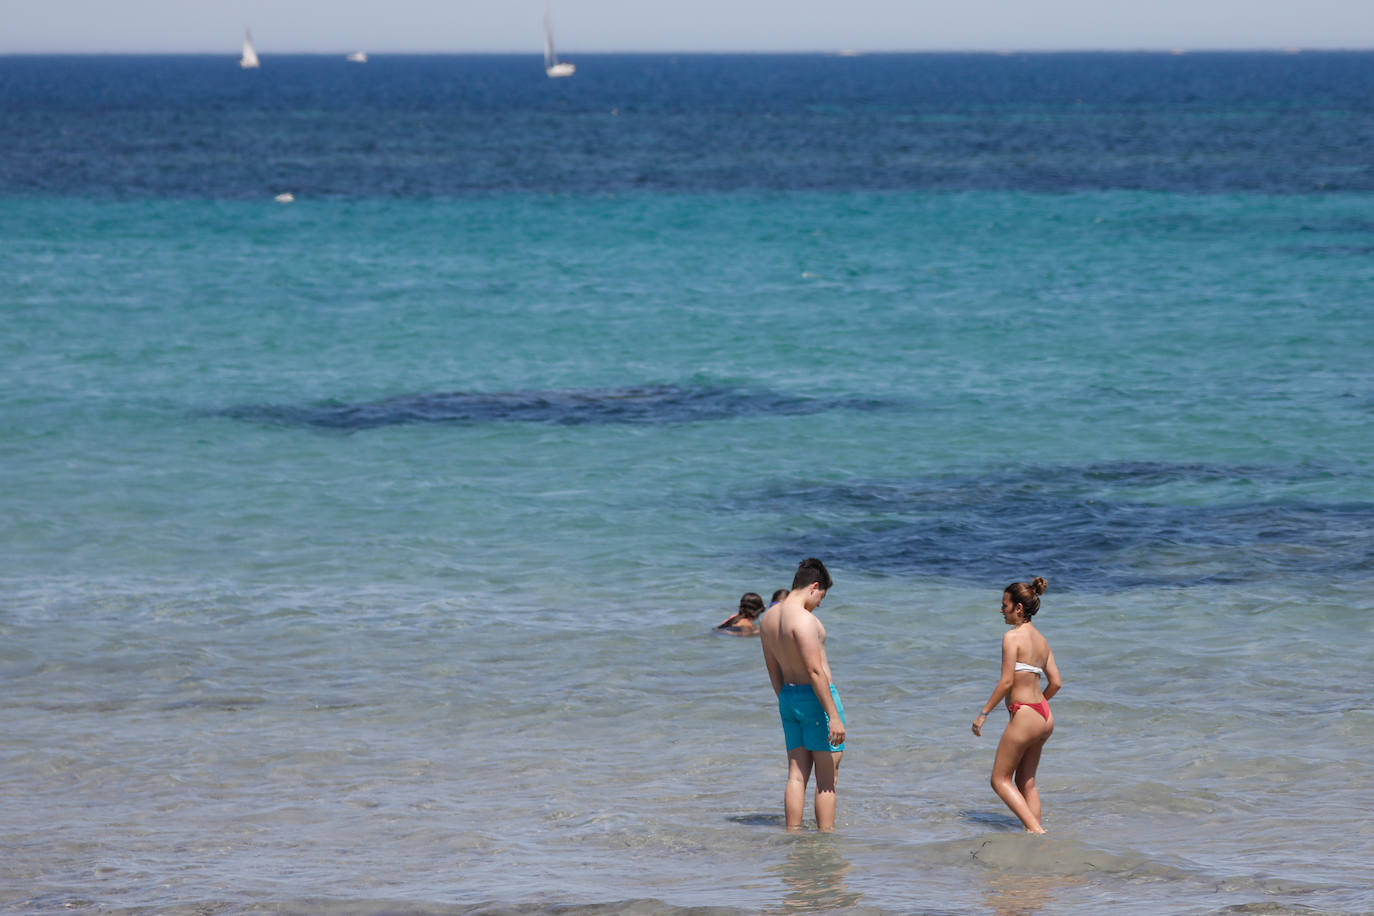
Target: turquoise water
column 360, row 555
column 1202, row 352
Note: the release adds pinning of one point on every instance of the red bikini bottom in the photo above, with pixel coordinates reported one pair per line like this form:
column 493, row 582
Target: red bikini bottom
column 1043, row 707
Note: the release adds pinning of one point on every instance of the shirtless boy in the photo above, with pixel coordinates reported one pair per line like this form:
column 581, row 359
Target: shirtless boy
column 809, row 704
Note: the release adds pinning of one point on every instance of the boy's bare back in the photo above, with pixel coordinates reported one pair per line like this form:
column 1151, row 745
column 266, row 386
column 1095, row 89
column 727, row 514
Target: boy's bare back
column 793, row 642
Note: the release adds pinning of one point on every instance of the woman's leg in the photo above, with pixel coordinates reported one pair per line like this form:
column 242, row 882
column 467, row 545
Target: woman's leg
column 1025, row 772
column 1025, row 777
column 1025, row 729
column 794, row 796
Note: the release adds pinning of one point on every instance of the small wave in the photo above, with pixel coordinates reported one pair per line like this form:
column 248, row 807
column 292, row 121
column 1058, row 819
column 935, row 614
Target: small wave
column 224, row 703
column 758, row 820
column 1063, row 857
column 1270, row 909
column 559, row 407
column 1356, row 250
column 320, row 906
column 992, row 819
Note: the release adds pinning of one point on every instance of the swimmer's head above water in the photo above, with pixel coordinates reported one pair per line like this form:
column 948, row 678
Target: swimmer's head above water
column 750, row 605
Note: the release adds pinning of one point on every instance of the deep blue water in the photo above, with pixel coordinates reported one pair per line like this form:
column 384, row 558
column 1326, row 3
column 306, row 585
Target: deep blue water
column 421, row 126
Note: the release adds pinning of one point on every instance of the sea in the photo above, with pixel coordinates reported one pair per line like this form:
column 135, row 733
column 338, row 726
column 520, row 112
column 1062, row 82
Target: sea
column 360, row 551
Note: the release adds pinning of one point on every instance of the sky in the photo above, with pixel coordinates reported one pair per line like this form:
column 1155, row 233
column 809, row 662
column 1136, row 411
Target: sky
column 503, row 26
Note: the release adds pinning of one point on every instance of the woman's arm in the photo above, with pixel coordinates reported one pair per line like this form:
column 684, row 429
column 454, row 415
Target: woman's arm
column 1003, row 683
column 1052, row 672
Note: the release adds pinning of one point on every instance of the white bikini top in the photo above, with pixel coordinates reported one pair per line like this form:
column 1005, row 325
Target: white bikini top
column 1038, row 672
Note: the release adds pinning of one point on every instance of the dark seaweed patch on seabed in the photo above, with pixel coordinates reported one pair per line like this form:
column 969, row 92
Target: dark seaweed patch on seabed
column 1067, row 524
column 567, row 407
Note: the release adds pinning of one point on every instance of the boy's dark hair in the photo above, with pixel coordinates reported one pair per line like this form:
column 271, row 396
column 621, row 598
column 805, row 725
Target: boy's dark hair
column 811, row 570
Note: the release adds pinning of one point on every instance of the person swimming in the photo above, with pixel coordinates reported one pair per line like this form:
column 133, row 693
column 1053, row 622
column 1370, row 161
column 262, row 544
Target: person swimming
column 1026, row 657
column 742, row 622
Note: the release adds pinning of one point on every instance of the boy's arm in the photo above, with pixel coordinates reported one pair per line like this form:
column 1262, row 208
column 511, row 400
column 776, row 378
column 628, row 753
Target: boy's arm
column 812, row 652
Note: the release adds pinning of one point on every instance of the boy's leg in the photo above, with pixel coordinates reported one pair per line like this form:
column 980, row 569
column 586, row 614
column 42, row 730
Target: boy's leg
column 794, row 796
column 827, row 770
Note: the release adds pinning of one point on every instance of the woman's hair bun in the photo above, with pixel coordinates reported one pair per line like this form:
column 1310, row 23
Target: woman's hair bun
column 1027, row 594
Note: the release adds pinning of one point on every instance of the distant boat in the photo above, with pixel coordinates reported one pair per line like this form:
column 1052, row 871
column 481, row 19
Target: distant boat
column 249, row 60
column 357, row 57
column 552, row 65
column 286, row 197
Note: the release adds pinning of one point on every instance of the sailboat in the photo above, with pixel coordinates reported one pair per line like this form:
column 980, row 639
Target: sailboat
column 357, row 57
column 249, row 60
column 552, row 65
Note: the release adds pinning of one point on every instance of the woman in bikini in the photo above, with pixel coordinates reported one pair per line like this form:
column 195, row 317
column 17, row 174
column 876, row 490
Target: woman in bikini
column 1026, row 656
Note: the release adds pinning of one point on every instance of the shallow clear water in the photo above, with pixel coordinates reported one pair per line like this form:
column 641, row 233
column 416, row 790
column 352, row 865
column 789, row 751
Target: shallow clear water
column 361, row 554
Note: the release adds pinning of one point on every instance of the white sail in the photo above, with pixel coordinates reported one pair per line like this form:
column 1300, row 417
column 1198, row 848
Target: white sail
column 357, row 57
column 552, row 66
column 249, row 60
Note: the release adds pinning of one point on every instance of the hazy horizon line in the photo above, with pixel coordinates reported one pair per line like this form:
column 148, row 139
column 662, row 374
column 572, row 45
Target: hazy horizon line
column 828, row 52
